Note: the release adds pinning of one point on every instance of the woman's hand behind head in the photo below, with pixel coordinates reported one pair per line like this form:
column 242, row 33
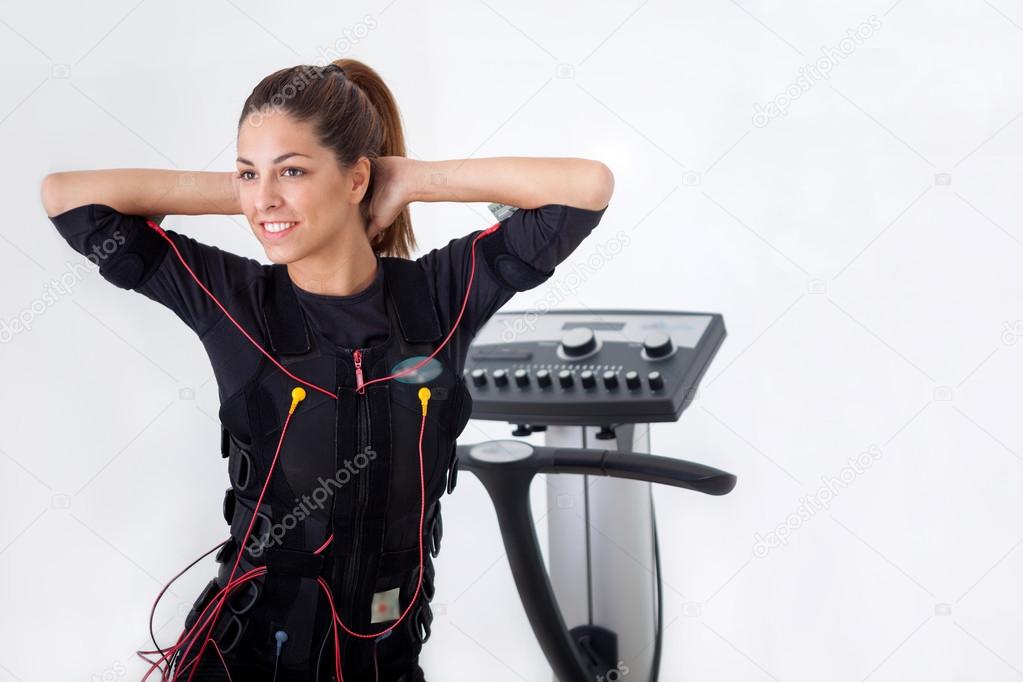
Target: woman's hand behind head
column 390, row 193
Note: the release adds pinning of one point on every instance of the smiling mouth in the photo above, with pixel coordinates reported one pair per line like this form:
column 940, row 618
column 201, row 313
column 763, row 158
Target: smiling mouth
column 278, row 230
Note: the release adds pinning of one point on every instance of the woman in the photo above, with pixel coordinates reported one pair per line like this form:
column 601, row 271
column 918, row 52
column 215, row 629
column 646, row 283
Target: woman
column 339, row 366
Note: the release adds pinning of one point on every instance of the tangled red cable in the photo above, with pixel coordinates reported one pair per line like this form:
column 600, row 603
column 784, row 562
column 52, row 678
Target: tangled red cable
column 206, row 623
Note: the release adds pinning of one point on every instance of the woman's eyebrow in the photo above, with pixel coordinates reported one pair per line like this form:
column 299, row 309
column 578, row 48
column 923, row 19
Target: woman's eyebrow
column 280, row 158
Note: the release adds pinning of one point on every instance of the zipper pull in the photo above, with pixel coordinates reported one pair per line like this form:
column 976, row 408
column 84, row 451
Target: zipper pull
column 357, row 356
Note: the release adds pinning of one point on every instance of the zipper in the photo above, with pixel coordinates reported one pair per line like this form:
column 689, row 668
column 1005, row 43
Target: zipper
column 361, row 485
column 357, row 357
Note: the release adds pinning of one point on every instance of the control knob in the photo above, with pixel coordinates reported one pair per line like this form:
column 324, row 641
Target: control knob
column 655, row 381
column 632, row 380
column 578, row 342
column 657, row 345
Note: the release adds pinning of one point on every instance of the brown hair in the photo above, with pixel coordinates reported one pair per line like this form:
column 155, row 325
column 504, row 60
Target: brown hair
column 354, row 114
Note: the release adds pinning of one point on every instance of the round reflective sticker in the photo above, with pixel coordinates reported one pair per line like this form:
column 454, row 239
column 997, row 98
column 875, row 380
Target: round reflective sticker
column 430, row 370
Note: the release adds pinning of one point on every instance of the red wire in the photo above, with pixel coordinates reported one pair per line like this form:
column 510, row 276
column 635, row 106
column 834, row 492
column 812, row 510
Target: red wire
column 465, row 301
column 250, row 575
column 458, row 320
column 419, row 582
column 333, row 621
column 174, row 246
column 324, row 545
column 152, row 611
column 221, row 656
column 205, row 620
column 221, row 597
column 336, row 619
column 245, row 539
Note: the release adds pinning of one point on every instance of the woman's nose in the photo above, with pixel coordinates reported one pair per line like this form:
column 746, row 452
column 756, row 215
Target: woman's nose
column 268, row 196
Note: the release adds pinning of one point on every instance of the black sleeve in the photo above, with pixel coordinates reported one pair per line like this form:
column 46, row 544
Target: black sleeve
column 132, row 255
column 519, row 255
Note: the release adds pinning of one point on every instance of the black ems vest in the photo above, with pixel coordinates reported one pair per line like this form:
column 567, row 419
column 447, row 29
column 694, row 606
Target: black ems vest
column 347, row 468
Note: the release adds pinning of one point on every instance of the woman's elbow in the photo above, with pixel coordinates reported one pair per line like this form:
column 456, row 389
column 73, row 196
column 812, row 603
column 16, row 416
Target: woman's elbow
column 603, row 186
column 52, row 195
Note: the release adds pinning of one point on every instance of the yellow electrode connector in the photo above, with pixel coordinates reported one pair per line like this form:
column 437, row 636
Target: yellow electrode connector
column 297, row 396
column 424, row 397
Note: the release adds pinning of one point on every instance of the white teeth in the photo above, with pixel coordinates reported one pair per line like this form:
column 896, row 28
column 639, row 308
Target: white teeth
column 277, row 227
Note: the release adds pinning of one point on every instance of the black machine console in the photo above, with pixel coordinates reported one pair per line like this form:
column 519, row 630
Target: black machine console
column 590, row 367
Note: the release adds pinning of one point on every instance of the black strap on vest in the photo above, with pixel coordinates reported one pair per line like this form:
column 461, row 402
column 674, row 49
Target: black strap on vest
column 410, row 295
column 280, row 560
column 407, row 291
column 285, row 321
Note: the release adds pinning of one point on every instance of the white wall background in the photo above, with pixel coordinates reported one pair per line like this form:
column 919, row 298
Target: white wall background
column 863, row 248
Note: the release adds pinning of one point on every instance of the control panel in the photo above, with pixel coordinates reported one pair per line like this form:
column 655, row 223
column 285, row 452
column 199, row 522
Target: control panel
column 590, row 367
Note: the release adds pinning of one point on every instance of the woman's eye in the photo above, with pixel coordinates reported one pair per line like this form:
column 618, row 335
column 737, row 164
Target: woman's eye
column 242, row 175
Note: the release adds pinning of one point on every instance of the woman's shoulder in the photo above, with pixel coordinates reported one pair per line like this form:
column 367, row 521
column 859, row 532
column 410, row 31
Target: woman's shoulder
column 134, row 252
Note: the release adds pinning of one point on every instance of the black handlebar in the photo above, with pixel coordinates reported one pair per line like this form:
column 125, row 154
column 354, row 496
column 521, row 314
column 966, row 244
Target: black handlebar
column 653, row 468
column 507, row 468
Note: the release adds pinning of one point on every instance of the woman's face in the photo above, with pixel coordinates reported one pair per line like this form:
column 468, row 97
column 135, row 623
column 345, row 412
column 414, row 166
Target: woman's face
column 286, row 179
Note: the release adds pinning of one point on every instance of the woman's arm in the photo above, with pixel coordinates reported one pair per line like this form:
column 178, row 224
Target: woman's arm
column 142, row 191
column 523, row 182
column 102, row 215
column 560, row 201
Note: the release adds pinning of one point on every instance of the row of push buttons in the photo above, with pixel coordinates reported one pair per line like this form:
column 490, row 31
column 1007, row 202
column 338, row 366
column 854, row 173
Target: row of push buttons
column 566, row 378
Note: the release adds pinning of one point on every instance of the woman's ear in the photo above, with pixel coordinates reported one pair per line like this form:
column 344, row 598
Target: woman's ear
column 361, row 177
